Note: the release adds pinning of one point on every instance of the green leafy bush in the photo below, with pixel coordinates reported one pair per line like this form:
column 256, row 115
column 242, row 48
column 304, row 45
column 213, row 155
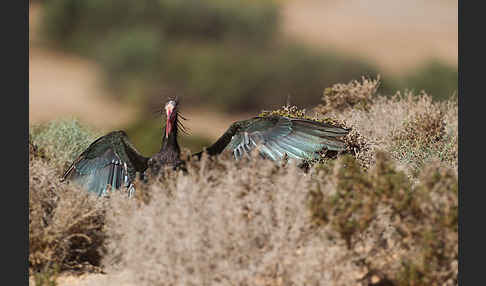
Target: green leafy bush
column 61, row 140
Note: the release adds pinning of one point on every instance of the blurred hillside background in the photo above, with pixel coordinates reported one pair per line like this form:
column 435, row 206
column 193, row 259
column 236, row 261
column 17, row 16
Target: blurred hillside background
column 113, row 63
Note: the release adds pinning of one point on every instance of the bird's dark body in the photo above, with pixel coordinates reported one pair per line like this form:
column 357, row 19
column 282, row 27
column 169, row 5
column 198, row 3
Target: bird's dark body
column 168, row 156
column 165, row 160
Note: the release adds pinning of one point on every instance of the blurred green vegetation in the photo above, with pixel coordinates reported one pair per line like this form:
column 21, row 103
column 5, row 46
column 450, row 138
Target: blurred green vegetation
column 221, row 53
column 438, row 79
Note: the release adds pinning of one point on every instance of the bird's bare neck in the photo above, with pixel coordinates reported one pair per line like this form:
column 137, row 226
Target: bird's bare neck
column 170, row 142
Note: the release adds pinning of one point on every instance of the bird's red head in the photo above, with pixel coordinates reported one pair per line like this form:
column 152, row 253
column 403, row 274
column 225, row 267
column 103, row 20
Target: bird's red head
column 170, row 110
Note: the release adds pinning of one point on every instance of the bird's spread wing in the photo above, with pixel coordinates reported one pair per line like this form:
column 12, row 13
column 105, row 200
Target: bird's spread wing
column 109, row 162
column 276, row 137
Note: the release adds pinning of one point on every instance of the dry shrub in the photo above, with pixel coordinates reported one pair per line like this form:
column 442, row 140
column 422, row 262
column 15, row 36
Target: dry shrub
column 425, row 135
column 65, row 223
column 253, row 222
column 353, row 95
column 227, row 223
column 386, row 114
column 361, row 219
column 412, row 128
column 351, row 205
column 403, row 233
column 426, row 125
column 343, row 100
column 433, row 232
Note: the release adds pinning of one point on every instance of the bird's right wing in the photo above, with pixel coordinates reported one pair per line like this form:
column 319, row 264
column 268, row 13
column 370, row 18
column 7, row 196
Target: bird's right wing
column 110, row 162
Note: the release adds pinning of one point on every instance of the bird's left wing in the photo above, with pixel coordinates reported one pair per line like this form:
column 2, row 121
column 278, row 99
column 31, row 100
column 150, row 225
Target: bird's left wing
column 277, row 136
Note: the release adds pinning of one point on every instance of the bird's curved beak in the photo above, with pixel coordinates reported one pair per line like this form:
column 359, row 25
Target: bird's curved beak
column 169, row 109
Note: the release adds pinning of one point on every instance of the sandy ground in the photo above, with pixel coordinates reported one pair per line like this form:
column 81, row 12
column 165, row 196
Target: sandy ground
column 65, row 86
column 69, row 280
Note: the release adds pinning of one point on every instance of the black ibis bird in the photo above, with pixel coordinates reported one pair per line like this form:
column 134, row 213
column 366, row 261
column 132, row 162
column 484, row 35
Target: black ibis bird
column 112, row 161
column 276, row 137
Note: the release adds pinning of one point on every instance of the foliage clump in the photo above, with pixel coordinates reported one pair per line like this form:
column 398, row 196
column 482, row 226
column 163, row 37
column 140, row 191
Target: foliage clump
column 353, row 205
column 288, row 110
column 359, row 147
column 433, row 231
column 413, row 128
column 61, row 140
column 405, row 232
column 426, row 127
column 293, row 111
column 353, row 95
column 342, row 100
column 425, row 134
